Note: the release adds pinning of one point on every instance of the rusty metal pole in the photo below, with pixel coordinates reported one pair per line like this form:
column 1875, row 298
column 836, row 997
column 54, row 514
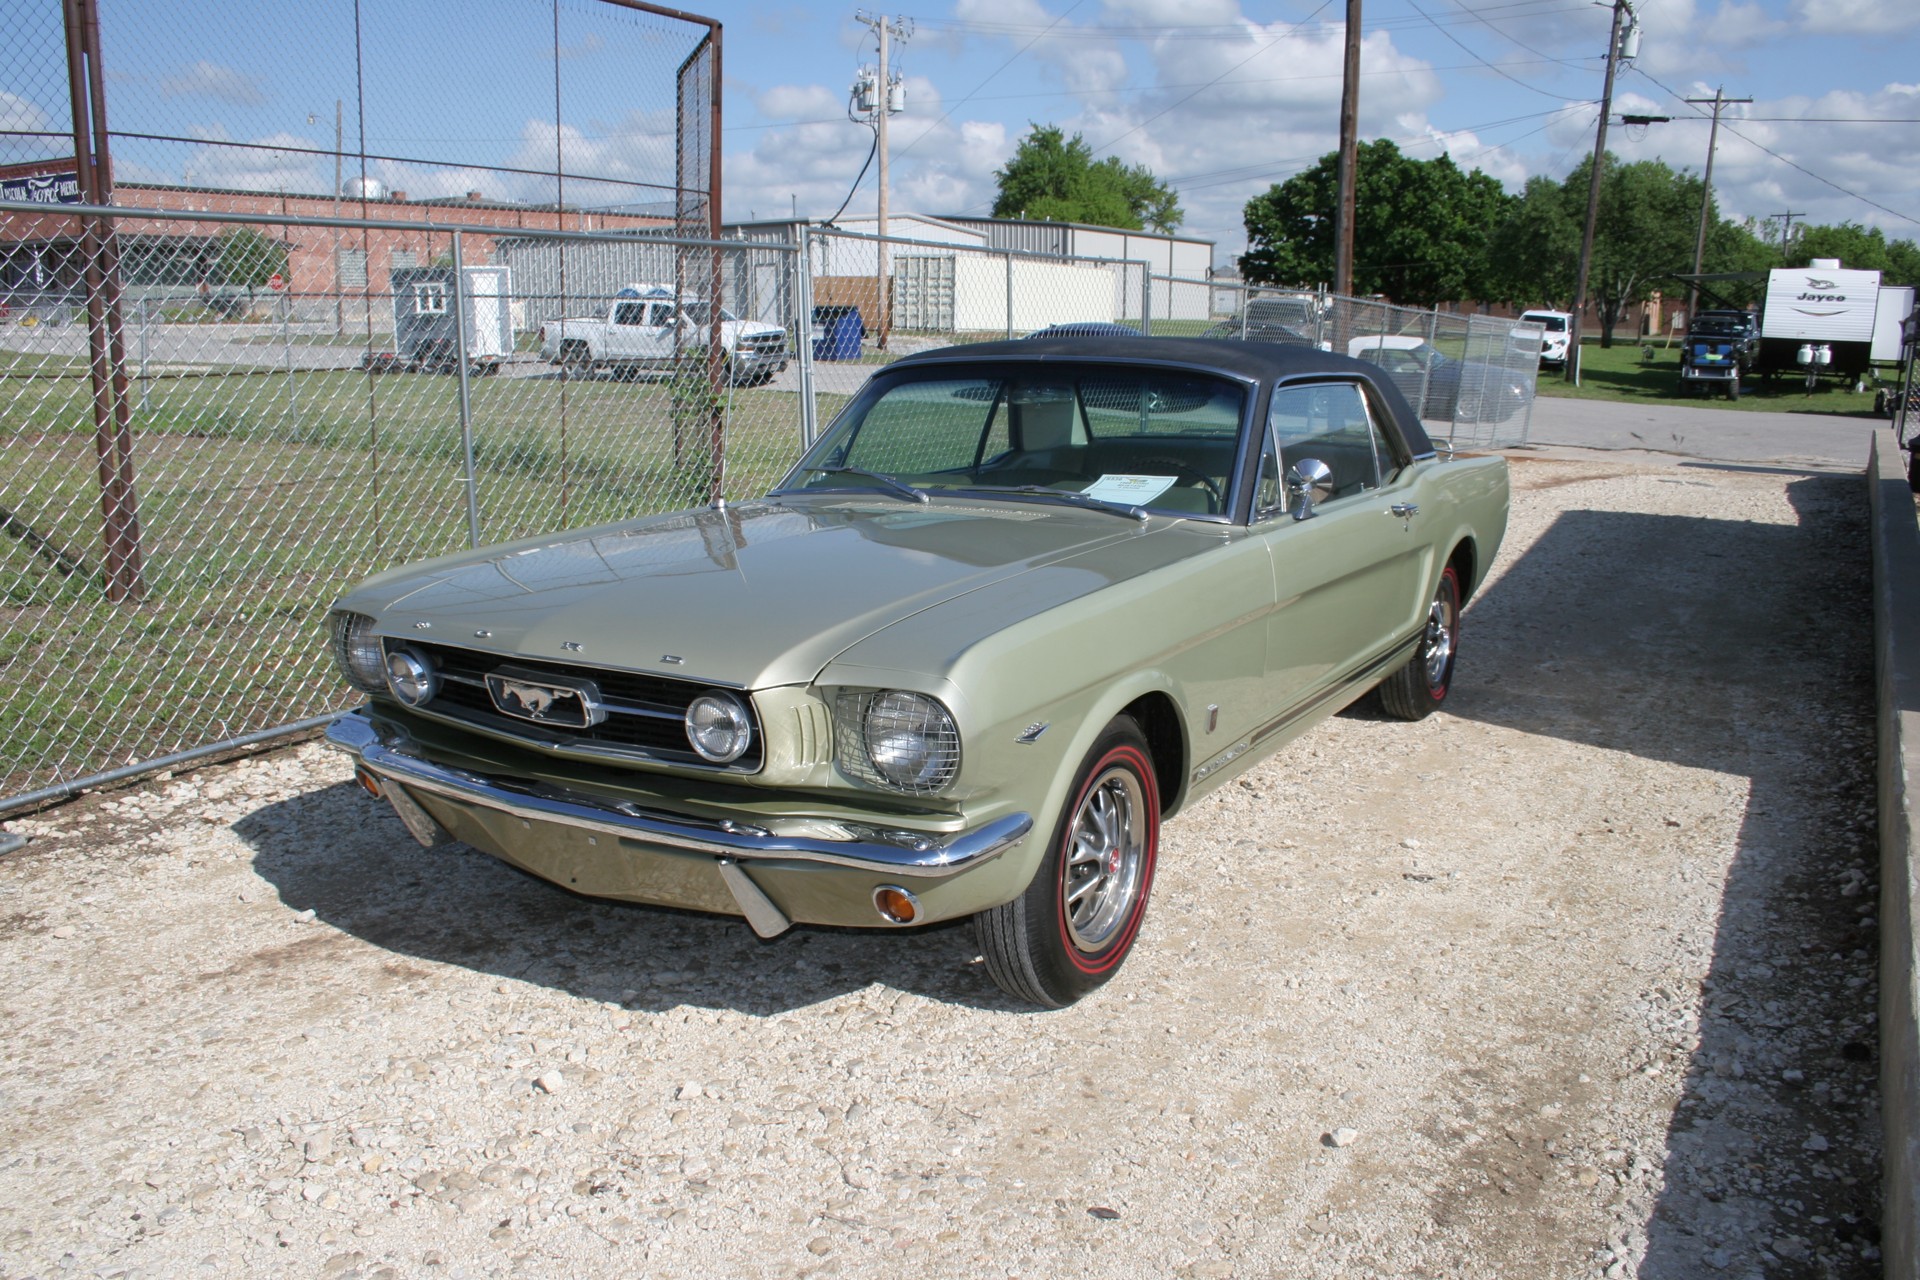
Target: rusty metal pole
column 1349, row 158
column 106, row 367
column 716, row 354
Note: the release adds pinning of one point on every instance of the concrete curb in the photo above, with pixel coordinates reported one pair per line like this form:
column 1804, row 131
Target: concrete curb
column 1895, row 534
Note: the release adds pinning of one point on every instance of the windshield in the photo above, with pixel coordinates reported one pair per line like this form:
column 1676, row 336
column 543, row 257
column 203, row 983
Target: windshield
column 1718, row 327
column 1552, row 324
column 1165, row 440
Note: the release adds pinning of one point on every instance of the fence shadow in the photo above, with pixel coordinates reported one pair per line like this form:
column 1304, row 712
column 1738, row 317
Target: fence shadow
column 1695, row 664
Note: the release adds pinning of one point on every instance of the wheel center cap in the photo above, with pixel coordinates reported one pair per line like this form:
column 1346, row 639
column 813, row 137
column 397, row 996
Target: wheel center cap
column 1113, row 861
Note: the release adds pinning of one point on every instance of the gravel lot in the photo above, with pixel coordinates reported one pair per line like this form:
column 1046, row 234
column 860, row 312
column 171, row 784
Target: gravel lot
column 1575, row 979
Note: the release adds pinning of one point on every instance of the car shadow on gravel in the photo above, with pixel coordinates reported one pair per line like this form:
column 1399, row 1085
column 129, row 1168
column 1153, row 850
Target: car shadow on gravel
column 1742, row 648
column 344, row 856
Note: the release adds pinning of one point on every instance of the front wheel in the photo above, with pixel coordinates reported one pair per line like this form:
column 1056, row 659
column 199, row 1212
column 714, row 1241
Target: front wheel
column 1413, row 691
column 1076, row 922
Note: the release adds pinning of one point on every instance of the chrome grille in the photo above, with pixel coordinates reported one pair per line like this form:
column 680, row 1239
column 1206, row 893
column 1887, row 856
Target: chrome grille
column 644, row 713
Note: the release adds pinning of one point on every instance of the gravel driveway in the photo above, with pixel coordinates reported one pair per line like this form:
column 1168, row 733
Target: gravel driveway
column 1574, row 979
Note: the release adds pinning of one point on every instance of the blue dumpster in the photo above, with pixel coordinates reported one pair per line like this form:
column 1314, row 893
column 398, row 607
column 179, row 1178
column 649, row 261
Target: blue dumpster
column 837, row 332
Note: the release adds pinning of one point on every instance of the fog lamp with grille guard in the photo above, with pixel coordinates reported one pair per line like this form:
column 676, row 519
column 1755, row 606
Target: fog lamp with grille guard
column 719, row 727
column 912, row 741
column 411, row 677
column 357, row 651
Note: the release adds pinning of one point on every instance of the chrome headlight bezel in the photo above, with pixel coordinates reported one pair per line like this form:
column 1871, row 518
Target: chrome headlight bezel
column 411, row 677
column 897, row 740
column 357, row 651
column 719, row 726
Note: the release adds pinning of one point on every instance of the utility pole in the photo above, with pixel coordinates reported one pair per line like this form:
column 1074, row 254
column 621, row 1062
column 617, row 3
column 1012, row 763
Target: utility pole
column 1719, row 100
column 1622, row 12
column 888, row 97
column 1349, row 157
column 1786, row 228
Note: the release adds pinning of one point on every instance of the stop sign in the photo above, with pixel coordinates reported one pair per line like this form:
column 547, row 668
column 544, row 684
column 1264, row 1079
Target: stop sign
column 277, row 282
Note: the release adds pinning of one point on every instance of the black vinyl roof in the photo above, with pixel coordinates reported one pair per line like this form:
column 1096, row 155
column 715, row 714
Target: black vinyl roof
column 1267, row 362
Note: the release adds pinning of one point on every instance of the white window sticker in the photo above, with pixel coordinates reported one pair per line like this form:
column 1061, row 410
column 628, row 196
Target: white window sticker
column 1130, row 489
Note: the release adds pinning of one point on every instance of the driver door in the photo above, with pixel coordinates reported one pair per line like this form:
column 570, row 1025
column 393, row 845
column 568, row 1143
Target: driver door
column 1350, row 579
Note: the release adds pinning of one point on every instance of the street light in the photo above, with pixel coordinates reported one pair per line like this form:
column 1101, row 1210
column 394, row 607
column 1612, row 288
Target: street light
column 339, row 314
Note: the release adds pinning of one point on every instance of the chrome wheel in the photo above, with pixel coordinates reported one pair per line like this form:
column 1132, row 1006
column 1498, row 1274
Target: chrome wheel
column 1106, row 859
column 1441, row 620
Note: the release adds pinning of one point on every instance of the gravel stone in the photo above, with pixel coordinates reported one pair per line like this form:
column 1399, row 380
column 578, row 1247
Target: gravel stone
column 1566, row 1053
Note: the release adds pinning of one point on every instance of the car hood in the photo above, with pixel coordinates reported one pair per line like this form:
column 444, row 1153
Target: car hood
column 760, row 594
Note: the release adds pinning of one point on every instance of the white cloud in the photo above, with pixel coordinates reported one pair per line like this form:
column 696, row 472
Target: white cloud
column 1856, row 17
column 257, row 167
column 211, row 80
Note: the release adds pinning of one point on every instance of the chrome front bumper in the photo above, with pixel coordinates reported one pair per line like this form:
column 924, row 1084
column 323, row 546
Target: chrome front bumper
column 864, row 847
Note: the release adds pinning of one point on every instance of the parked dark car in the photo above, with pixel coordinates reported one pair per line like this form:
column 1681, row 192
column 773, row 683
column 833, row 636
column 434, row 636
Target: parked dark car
column 1086, row 329
column 1246, row 329
column 1431, row 380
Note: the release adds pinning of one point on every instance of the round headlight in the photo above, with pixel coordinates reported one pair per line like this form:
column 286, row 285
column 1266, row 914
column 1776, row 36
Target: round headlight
column 411, row 677
column 912, row 741
column 357, row 651
column 718, row 727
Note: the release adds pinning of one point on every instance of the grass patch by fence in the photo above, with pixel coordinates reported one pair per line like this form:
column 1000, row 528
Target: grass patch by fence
column 262, row 499
column 1630, row 373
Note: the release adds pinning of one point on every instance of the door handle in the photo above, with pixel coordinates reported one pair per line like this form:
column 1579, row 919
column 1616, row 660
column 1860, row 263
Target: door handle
column 1405, row 510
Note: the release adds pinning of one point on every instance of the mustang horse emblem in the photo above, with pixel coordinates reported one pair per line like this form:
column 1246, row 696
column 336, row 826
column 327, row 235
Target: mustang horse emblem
column 543, row 702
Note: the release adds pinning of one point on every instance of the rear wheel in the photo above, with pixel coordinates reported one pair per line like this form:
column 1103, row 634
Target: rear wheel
column 1733, row 389
column 1413, row 691
column 575, row 357
column 1076, row 922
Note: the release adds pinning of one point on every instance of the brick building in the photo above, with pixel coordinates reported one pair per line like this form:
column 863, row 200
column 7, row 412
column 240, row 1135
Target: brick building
column 39, row 259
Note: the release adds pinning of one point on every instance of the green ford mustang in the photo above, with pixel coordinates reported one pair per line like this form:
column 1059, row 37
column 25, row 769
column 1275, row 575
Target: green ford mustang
column 1019, row 604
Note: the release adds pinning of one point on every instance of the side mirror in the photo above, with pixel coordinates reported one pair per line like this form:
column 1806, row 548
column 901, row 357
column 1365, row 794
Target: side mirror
column 1308, row 481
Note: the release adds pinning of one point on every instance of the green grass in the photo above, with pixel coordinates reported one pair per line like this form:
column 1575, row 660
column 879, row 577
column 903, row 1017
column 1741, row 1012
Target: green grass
column 1623, row 373
column 261, row 500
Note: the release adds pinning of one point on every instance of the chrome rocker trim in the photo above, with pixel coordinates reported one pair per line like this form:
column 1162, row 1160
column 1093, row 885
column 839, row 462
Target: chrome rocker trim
column 881, row 851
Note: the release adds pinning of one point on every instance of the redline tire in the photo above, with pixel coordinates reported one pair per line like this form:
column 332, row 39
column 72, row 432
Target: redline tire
column 1076, row 923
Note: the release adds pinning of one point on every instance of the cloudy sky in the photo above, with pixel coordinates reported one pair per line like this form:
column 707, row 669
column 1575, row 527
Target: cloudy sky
column 1220, row 98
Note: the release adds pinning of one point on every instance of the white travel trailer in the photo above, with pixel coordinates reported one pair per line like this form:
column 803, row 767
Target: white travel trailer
column 1818, row 318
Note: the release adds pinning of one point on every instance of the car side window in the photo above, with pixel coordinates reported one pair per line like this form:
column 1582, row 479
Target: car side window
column 634, row 313
column 1328, row 421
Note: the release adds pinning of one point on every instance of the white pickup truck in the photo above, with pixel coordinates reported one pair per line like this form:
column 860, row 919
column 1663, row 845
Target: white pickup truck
column 647, row 327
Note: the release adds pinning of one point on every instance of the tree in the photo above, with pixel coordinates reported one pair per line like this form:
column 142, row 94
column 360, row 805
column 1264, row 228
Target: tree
column 1053, row 178
column 1643, row 238
column 1536, row 248
column 1421, row 227
column 249, row 259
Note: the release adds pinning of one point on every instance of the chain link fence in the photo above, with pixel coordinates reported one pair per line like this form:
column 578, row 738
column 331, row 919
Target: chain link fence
column 267, row 460
column 1471, row 378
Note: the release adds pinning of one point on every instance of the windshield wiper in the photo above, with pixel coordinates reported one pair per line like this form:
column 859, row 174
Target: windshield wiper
column 1071, row 497
column 899, row 488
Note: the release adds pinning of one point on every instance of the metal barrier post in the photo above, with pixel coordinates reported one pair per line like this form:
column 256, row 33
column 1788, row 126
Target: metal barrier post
column 466, row 394
column 803, row 335
column 286, row 349
column 1426, row 368
column 1009, row 256
column 1146, row 301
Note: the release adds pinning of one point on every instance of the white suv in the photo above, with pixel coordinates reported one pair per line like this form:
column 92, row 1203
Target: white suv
column 1553, row 345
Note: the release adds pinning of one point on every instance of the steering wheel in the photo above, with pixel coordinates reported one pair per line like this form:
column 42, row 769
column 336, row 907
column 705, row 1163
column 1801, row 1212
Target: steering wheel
column 1182, row 471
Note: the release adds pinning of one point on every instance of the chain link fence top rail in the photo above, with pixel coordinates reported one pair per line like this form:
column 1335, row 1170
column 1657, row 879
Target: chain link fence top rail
column 277, row 459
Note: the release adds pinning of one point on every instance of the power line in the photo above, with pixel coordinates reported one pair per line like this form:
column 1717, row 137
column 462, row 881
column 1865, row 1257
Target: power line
column 1222, row 76
column 1791, row 164
column 1559, row 97
column 990, row 75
